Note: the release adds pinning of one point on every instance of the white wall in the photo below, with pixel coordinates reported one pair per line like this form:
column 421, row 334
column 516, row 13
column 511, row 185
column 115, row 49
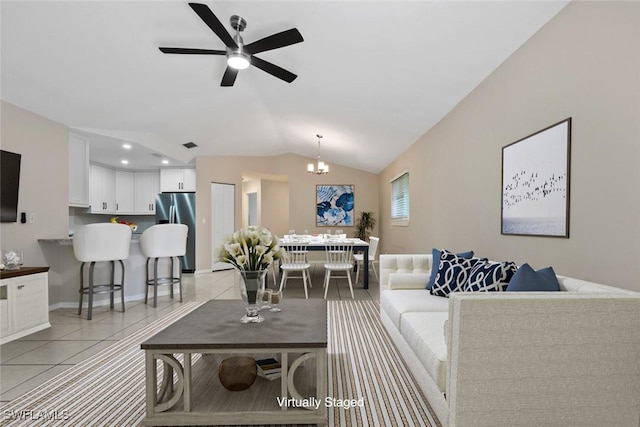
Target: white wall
column 584, row 64
column 43, row 184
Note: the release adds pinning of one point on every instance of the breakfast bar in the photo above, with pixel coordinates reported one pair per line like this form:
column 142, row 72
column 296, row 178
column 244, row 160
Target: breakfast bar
column 65, row 272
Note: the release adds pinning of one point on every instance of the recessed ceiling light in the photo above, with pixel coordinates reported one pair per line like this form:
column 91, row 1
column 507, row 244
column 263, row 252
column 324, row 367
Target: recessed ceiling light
column 124, row 162
column 165, row 162
column 126, row 146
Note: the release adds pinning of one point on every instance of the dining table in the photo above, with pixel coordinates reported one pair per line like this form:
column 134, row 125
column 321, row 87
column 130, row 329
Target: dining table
column 319, row 243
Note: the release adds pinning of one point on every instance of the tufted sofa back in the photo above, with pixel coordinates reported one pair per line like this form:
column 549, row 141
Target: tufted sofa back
column 403, row 263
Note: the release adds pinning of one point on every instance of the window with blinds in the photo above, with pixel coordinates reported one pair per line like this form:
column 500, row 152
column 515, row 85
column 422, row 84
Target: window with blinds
column 400, row 200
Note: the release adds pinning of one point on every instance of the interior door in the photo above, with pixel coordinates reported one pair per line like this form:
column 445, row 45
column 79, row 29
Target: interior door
column 223, row 213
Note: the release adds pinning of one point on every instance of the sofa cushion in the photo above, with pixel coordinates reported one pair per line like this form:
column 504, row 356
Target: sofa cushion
column 490, row 276
column 403, row 263
column 408, row 280
column 396, row 303
column 453, row 273
column 436, row 253
column 527, row 279
column 424, row 334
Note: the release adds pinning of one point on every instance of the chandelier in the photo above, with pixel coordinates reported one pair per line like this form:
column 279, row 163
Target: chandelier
column 320, row 168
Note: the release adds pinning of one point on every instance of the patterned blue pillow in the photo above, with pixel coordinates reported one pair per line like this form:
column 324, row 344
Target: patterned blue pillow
column 453, row 273
column 490, row 276
column 436, row 253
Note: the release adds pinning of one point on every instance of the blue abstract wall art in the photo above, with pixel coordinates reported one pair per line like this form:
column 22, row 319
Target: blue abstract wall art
column 334, row 205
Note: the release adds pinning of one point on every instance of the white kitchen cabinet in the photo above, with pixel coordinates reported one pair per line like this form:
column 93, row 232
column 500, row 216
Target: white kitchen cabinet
column 147, row 187
column 78, row 171
column 177, row 180
column 24, row 302
column 124, row 192
column 102, row 189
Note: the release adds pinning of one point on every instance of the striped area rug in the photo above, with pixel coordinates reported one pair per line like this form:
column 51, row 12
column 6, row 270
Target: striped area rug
column 108, row 388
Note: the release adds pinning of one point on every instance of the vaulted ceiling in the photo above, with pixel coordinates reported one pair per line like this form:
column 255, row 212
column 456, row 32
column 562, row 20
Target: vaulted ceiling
column 373, row 76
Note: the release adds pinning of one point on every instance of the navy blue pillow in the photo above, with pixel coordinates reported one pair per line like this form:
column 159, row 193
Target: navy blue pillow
column 526, row 279
column 436, row 254
column 453, row 273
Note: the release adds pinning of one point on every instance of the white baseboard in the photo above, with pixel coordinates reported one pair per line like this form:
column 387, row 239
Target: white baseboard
column 103, row 302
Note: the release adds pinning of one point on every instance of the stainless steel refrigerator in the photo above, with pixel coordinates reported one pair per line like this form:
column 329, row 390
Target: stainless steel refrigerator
column 180, row 208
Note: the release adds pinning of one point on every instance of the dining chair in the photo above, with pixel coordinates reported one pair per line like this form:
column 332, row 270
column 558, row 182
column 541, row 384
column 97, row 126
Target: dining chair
column 97, row 243
column 295, row 261
column 339, row 259
column 359, row 258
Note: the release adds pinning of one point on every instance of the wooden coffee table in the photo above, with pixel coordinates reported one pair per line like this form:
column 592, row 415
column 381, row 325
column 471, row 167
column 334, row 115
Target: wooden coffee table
column 295, row 336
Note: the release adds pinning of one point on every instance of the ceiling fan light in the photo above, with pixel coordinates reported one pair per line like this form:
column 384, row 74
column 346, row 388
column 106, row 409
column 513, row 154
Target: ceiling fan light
column 238, row 60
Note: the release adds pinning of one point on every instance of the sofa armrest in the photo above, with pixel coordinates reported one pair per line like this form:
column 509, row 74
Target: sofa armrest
column 408, row 280
column 527, row 358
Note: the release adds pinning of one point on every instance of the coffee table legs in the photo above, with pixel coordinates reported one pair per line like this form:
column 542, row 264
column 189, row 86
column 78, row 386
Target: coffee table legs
column 162, row 400
column 168, row 396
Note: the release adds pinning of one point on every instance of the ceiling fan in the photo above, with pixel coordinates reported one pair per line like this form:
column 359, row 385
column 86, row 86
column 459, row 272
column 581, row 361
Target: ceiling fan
column 240, row 56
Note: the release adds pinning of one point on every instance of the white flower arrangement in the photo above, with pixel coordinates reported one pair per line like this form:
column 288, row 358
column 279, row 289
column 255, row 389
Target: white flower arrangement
column 249, row 249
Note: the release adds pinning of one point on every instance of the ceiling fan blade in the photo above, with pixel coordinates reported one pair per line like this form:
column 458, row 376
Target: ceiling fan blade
column 229, row 77
column 275, row 41
column 214, row 23
column 190, row 51
column 273, row 69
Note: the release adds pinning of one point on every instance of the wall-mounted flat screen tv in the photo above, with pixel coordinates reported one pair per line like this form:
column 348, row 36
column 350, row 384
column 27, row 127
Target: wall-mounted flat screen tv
column 9, row 185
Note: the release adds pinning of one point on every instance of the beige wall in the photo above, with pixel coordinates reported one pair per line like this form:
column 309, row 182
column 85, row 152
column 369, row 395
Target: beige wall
column 274, row 206
column 302, row 192
column 583, row 64
column 44, row 172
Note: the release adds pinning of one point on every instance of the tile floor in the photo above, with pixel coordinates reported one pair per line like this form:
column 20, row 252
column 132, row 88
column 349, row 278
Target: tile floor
column 29, row 361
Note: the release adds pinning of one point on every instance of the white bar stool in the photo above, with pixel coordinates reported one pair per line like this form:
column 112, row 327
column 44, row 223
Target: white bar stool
column 104, row 242
column 163, row 241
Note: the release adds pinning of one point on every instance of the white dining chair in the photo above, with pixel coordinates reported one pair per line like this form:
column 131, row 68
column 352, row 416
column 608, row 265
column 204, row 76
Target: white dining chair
column 295, row 261
column 359, row 258
column 339, row 259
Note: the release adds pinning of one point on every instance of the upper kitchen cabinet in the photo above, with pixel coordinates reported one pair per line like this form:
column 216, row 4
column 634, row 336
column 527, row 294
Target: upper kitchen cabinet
column 124, row 192
column 78, row 171
column 177, row 180
column 102, row 189
column 147, row 187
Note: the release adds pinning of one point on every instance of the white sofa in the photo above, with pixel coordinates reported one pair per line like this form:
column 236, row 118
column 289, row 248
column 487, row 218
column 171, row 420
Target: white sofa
column 569, row 358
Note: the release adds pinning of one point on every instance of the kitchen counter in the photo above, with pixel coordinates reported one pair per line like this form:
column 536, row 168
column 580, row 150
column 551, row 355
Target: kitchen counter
column 135, row 238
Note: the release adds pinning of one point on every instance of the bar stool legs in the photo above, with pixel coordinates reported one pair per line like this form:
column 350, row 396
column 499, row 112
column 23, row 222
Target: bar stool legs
column 156, row 280
column 92, row 288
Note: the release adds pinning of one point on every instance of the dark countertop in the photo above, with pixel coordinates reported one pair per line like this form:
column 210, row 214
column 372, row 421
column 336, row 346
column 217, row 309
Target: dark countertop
column 23, row 271
column 216, row 325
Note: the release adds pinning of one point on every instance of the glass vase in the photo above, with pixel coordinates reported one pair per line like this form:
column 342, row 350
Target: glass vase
column 251, row 290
